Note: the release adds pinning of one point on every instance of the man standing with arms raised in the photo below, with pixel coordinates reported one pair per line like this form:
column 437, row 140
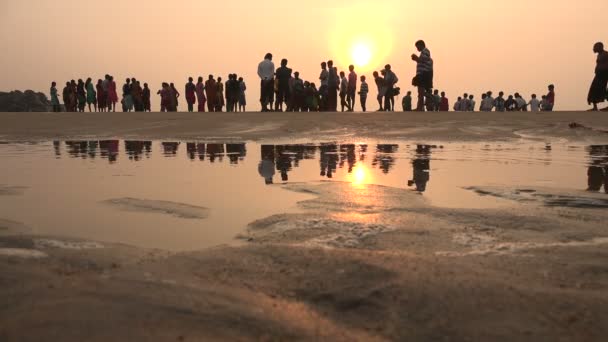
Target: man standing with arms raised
column 266, row 74
column 424, row 73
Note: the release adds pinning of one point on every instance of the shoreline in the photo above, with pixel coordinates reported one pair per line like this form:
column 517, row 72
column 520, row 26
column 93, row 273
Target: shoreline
column 445, row 127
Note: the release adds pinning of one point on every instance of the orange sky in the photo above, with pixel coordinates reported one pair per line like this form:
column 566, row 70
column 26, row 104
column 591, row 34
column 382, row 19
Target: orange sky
column 519, row 45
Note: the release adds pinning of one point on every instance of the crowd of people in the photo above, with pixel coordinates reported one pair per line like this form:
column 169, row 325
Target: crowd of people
column 103, row 96
column 281, row 89
column 438, row 102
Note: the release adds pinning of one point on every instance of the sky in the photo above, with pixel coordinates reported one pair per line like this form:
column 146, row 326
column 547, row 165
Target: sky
column 514, row 46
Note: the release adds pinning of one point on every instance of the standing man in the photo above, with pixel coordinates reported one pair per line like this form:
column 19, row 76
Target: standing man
column 352, row 88
column 190, row 91
column 333, row 82
column 424, row 73
column 266, row 74
column 283, row 75
column 323, row 77
column 127, row 99
column 390, row 79
column 363, row 93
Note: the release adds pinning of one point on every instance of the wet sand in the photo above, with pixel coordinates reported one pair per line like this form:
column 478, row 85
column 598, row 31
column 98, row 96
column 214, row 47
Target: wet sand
column 452, row 126
column 359, row 263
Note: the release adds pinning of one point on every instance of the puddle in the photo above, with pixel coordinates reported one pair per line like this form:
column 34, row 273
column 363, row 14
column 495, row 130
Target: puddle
column 191, row 195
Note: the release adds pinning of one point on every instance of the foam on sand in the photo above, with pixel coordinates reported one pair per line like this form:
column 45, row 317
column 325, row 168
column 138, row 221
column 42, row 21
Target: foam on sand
column 49, row 243
column 180, row 210
column 9, row 190
column 22, row 253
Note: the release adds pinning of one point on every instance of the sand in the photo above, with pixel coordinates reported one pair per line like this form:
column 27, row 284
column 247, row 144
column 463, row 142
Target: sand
column 452, row 126
column 358, row 263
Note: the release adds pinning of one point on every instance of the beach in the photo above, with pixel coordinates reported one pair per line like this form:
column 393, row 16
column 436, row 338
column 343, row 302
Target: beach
column 351, row 262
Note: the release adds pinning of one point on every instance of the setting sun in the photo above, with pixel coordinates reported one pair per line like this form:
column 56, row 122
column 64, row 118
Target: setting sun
column 361, row 54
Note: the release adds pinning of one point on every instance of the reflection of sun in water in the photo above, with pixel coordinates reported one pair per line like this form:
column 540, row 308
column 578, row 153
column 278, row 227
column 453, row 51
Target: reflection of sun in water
column 361, row 54
column 360, row 175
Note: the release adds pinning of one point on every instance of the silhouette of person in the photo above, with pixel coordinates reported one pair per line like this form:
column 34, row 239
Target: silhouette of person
column 266, row 165
column 333, row 84
column 146, row 98
column 81, row 95
column 343, row 91
column 550, row 99
column 211, row 91
column 102, row 97
column 91, row 94
column 598, row 92
column 174, row 99
column 200, row 94
column 57, row 148
column 55, row 98
column 323, row 89
column 379, row 80
column 363, row 93
column 283, row 76
column 421, row 168
column 242, row 96
column 328, row 159
column 424, row 73
column 266, row 74
column 112, row 94
column 190, row 91
column 352, row 88
column 127, row 100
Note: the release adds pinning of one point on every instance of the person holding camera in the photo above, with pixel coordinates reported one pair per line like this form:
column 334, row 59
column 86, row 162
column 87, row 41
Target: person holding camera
column 424, row 73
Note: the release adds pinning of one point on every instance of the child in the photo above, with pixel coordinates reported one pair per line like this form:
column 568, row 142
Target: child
column 534, row 104
column 363, row 90
column 444, row 103
column 407, row 102
column 543, row 103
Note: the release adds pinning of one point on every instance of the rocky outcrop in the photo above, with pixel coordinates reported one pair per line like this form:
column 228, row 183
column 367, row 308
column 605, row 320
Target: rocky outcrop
column 28, row 101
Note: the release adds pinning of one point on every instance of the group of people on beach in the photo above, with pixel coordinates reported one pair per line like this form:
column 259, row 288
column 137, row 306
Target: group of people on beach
column 437, row 102
column 101, row 97
column 282, row 89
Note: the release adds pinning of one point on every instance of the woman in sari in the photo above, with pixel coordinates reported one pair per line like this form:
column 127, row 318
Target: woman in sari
column 598, row 92
column 112, row 95
column 91, row 94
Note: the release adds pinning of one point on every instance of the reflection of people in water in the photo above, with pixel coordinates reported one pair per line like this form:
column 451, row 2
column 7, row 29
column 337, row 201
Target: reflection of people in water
column 422, row 168
column 283, row 161
column 597, row 174
column 57, row 148
column 236, row 152
column 191, row 150
column 135, row 149
column 328, row 159
column 384, row 157
column 266, row 166
column 109, row 149
column 215, row 151
column 170, row 148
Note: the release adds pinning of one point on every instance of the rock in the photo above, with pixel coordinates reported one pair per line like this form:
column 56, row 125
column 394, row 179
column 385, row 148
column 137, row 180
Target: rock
column 28, row 101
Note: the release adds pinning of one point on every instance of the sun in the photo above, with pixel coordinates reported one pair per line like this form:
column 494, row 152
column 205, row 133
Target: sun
column 361, row 54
